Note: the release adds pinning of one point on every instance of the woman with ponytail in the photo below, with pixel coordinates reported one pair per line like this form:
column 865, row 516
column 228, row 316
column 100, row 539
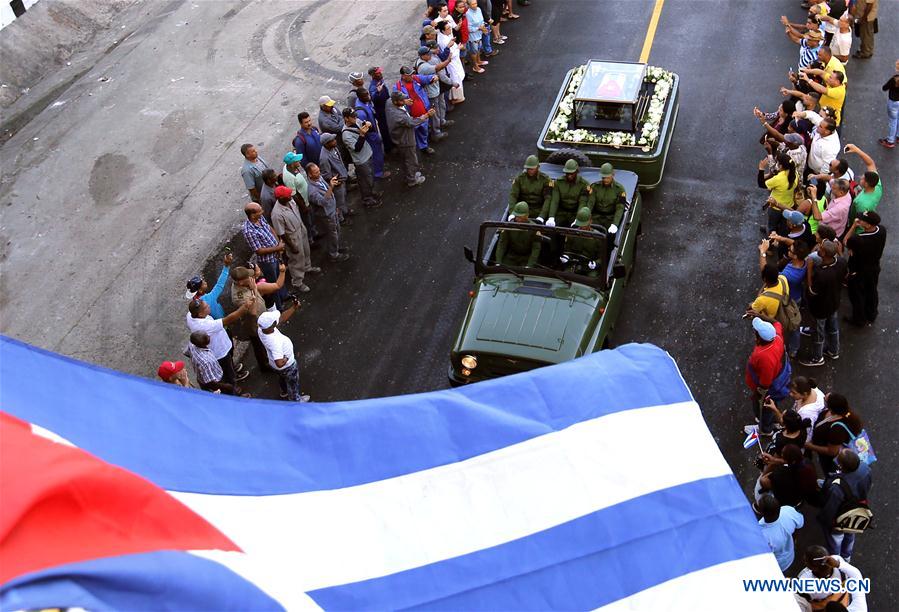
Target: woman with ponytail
column 832, row 430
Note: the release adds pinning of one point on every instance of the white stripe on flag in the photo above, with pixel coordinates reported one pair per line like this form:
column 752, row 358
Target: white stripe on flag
column 335, row 537
column 719, row 587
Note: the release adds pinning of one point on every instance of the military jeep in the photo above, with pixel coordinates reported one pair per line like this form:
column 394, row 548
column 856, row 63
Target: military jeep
column 525, row 317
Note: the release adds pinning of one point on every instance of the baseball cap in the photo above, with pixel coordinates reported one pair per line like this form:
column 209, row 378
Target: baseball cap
column 169, row 368
column 398, row 96
column 328, row 137
column 291, row 157
column 194, row 283
column 326, row 101
column 869, row 216
column 405, row 70
column 423, row 50
column 374, row 70
column 268, row 318
column 428, row 30
column 583, row 217
column 354, row 76
column 794, row 217
column 793, row 138
column 431, row 44
column 283, row 191
column 764, row 329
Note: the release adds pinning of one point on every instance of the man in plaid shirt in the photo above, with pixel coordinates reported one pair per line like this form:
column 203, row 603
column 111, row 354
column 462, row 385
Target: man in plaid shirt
column 207, row 368
column 268, row 247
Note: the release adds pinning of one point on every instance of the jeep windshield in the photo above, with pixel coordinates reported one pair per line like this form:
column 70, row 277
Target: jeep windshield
column 572, row 255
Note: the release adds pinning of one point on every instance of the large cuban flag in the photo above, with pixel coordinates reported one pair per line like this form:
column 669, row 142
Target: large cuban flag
column 591, row 484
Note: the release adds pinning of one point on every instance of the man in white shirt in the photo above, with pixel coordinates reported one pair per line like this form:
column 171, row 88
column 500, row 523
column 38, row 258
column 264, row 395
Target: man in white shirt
column 778, row 526
column 280, row 352
column 825, row 142
column 198, row 320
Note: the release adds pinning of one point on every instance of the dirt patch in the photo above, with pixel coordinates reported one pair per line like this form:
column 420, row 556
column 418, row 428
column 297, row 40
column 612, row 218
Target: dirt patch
column 110, row 178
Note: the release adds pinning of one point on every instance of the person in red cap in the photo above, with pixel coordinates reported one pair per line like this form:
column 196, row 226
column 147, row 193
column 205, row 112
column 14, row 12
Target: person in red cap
column 288, row 225
column 173, row 372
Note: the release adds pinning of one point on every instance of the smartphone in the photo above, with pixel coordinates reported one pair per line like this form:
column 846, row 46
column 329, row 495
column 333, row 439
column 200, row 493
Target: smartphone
column 813, row 181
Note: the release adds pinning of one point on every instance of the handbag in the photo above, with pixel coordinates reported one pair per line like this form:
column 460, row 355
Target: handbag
column 861, row 444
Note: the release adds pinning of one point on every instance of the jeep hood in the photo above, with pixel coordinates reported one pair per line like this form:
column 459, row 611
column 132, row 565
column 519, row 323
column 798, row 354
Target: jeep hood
column 537, row 318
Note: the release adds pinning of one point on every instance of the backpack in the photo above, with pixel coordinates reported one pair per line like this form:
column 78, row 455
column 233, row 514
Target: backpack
column 787, row 314
column 853, row 515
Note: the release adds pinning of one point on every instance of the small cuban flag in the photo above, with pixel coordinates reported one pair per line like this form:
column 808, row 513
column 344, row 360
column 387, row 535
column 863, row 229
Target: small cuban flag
column 752, row 438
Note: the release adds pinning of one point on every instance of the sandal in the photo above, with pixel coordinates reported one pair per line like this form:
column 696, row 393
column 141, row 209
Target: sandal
column 478, row 70
column 513, row 16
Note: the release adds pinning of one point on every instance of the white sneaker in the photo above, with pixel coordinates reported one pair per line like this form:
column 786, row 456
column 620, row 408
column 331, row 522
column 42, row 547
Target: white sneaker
column 305, row 398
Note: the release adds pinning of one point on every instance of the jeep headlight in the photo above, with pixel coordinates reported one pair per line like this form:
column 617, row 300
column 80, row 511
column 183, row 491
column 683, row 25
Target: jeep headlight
column 469, row 362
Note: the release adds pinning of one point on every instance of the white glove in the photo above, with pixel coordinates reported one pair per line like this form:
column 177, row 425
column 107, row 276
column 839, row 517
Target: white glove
column 613, row 229
column 551, row 222
column 564, row 259
column 539, row 219
column 592, row 265
column 511, row 217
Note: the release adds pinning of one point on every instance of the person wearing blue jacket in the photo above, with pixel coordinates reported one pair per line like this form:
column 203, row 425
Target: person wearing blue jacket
column 365, row 110
column 198, row 288
column 380, row 95
column 413, row 85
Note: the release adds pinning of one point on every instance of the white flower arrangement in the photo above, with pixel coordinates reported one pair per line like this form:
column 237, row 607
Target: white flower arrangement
column 649, row 129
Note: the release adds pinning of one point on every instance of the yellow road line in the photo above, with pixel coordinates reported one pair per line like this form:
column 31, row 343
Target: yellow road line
column 651, row 31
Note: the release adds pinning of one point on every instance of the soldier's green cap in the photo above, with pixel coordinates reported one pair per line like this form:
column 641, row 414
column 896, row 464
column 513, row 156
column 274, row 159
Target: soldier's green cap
column 521, row 209
column 531, row 162
column 570, row 166
column 606, row 169
column 583, row 217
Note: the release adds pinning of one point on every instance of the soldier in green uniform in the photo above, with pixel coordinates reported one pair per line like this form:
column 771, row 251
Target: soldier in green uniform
column 607, row 199
column 589, row 247
column 568, row 196
column 533, row 187
column 518, row 247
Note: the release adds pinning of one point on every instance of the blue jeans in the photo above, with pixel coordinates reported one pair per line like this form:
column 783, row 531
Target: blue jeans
column 827, row 331
column 289, row 381
column 487, row 43
column 421, row 135
column 839, row 543
column 793, row 341
column 893, row 114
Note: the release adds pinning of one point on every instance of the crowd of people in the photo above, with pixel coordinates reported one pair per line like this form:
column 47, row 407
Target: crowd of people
column 304, row 203
column 822, row 233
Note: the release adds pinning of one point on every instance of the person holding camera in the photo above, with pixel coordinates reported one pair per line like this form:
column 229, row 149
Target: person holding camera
column 280, row 351
column 332, row 165
column 324, row 207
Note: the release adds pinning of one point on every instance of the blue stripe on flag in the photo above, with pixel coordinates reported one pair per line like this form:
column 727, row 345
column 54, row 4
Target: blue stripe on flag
column 192, row 441
column 580, row 565
column 165, row 580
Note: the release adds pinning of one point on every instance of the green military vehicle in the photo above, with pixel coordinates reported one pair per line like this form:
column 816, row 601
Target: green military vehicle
column 618, row 112
column 558, row 304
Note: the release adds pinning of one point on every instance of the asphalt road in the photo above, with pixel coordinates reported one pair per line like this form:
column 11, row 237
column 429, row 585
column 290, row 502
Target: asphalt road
column 382, row 323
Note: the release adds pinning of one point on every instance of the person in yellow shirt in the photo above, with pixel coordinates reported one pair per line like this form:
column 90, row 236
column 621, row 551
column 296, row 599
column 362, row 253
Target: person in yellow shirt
column 774, row 284
column 831, row 64
column 780, row 185
column 833, row 91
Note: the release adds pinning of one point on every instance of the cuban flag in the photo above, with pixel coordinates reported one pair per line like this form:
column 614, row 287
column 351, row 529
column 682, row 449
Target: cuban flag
column 593, row 484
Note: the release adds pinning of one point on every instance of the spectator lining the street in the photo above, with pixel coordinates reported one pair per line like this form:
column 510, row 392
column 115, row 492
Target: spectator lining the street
column 251, row 170
column 281, row 357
